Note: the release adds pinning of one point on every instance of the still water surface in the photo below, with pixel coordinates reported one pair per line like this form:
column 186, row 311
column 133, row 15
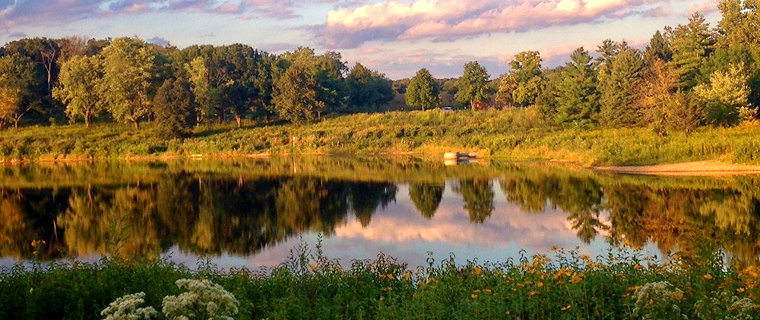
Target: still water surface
column 253, row 212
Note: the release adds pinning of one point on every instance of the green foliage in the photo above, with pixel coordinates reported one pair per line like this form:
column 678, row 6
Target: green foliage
column 568, row 285
column 173, row 109
column 422, row 92
column 297, row 95
column 368, row 90
column 76, row 88
column 726, row 93
column 472, row 86
column 658, row 48
column 526, row 69
column 17, row 88
column 691, row 44
column 128, row 66
column 577, row 96
column 618, row 89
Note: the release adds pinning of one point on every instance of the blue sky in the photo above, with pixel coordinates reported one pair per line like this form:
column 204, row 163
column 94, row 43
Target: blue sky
column 396, row 37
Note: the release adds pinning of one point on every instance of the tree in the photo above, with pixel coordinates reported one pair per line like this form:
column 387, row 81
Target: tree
column 205, row 96
column 739, row 23
column 422, row 91
column 663, row 106
column 173, row 108
column 725, row 94
column 42, row 51
column 526, row 69
column 128, row 72
column 76, row 88
column 691, row 44
column 367, row 89
column 577, row 99
column 658, row 48
column 426, row 197
column 17, row 88
column 618, row 88
column 504, row 93
column 296, row 95
column 473, row 87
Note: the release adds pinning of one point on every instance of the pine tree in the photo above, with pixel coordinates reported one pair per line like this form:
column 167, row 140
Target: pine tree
column 526, row 69
column 691, row 44
column 173, row 108
column 617, row 89
column 578, row 99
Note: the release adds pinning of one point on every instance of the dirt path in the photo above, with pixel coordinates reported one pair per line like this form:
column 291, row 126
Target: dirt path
column 695, row 168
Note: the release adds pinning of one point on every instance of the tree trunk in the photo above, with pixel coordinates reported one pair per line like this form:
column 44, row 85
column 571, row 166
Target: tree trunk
column 239, row 121
column 137, row 124
column 87, row 119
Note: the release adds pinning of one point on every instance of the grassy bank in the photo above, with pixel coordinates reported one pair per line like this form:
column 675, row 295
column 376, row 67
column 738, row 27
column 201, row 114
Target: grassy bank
column 566, row 286
column 512, row 134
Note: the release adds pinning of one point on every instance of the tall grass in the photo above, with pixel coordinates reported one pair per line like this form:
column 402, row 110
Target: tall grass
column 511, row 134
column 563, row 285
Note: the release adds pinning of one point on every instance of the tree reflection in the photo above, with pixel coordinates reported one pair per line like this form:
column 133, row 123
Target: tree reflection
column 426, row 197
column 477, row 195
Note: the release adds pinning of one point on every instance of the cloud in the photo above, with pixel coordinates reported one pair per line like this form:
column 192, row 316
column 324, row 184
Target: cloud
column 394, row 20
column 657, row 12
column 703, row 7
column 158, row 41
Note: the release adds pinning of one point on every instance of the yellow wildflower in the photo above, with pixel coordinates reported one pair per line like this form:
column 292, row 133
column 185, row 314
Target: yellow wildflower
column 477, row 271
column 532, row 293
column 577, row 277
column 313, row 267
column 540, row 284
column 708, row 276
column 638, row 267
column 740, row 290
column 651, row 302
column 474, row 296
column 567, row 307
column 407, row 276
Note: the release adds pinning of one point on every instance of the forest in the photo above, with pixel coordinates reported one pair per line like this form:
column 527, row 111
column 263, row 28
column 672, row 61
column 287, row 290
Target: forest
column 688, row 76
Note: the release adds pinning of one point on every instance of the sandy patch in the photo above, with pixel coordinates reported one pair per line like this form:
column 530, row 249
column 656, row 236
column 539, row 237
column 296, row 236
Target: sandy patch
column 695, row 168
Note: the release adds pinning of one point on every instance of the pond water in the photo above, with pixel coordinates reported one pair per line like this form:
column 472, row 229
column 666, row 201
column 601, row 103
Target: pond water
column 253, row 212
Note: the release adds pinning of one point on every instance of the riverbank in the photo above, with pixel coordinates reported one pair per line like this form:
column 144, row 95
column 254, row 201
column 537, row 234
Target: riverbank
column 518, row 134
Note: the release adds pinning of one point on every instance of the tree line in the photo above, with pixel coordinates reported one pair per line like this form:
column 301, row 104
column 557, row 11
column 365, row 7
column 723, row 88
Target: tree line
column 687, row 76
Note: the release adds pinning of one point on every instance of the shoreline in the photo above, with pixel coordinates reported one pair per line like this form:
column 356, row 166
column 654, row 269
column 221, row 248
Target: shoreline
column 690, row 168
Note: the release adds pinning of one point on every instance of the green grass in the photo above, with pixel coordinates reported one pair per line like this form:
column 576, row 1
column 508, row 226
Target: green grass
column 567, row 285
column 515, row 134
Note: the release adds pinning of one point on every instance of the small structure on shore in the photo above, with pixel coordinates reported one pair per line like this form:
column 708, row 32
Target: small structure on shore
column 455, row 158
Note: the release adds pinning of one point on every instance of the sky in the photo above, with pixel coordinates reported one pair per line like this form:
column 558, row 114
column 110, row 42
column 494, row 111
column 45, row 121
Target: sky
column 396, row 37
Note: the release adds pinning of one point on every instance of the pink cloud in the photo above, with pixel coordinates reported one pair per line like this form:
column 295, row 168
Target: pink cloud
column 703, row 7
column 394, row 19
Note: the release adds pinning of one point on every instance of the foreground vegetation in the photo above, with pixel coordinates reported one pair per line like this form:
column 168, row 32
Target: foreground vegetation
column 511, row 134
column 567, row 285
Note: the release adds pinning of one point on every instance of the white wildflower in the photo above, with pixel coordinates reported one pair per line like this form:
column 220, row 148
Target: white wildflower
column 203, row 300
column 126, row 308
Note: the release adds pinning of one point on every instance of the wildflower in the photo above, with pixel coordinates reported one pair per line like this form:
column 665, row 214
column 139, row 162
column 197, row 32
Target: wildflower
column 740, row 290
column 540, row 284
column 565, row 308
column 708, row 276
column 478, row 271
column 577, row 277
column 499, row 273
column 638, row 267
column 532, row 293
column 506, row 313
column 390, row 276
column 313, row 267
column 474, row 296
column 407, row 276
column 387, row 289
column 487, row 290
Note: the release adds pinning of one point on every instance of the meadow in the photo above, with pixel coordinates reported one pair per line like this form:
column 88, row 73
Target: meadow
column 515, row 134
column 561, row 285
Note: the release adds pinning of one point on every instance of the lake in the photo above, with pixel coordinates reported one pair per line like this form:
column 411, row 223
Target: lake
column 254, row 212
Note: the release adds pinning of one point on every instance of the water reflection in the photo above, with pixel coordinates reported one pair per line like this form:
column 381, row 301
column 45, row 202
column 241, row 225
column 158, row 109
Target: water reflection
column 257, row 208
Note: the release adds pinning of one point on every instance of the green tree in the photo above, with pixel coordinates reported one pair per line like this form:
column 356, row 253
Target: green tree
column 422, row 91
column 76, row 88
column 663, row 106
column 577, row 98
column 739, row 23
column 426, row 197
column 368, row 90
column 618, row 89
column 725, row 94
column 200, row 85
column 43, row 52
column 128, row 73
column 691, row 44
column 504, row 93
column 296, row 95
column 526, row 69
column 17, row 88
column 473, row 86
column 658, row 48
column 173, row 108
